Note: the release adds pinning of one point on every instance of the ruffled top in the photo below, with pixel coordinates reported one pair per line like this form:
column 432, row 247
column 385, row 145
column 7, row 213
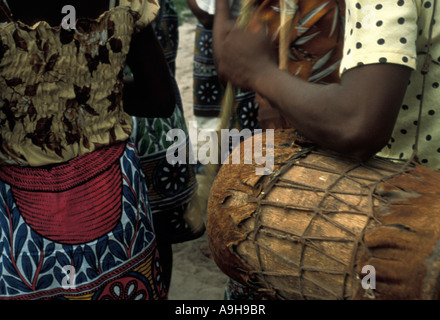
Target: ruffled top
column 61, row 90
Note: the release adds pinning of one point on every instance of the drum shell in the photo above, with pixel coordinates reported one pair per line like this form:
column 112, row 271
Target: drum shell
column 298, row 232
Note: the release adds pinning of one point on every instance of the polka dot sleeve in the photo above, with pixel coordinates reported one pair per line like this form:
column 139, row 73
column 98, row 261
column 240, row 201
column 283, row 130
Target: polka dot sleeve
column 147, row 10
column 380, row 31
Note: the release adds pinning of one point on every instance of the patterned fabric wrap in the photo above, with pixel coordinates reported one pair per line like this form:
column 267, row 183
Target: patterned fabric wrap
column 170, row 186
column 207, row 89
column 315, row 50
column 121, row 263
column 316, row 36
column 245, row 111
column 244, row 117
column 166, row 27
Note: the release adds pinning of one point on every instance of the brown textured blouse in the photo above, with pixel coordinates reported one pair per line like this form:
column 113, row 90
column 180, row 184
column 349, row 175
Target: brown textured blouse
column 61, row 90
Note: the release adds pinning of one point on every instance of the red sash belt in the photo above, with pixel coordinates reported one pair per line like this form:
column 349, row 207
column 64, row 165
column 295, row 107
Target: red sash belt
column 72, row 203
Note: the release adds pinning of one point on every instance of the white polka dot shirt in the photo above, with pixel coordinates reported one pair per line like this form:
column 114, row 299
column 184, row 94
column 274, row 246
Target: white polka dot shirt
column 396, row 31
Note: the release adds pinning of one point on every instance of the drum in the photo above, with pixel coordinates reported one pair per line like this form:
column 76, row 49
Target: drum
column 322, row 226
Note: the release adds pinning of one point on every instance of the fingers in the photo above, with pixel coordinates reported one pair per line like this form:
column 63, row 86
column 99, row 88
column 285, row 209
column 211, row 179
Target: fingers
column 256, row 26
column 223, row 24
column 222, row 11
column 223, row 21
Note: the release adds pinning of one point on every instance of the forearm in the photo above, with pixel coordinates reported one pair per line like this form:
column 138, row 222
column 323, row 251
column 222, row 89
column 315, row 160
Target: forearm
column 355, row 117
column 350, row 118
column 316, row 111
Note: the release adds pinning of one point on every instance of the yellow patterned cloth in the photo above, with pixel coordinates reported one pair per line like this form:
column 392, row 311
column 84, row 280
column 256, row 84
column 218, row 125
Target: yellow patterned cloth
column 61, row 90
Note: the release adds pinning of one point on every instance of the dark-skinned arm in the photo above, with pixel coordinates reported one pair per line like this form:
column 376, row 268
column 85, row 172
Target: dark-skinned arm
column 204, row 17
column 150, row 93
column 355, row 117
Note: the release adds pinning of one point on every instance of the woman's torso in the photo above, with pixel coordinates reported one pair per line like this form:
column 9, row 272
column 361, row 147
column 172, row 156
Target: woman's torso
column 61, row 89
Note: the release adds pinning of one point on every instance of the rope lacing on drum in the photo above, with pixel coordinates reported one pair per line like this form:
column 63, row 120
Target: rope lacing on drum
column 369, row 187
column 319, row 211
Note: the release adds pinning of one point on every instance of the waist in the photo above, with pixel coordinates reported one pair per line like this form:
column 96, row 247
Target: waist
column 41, row 147
column 61, row 177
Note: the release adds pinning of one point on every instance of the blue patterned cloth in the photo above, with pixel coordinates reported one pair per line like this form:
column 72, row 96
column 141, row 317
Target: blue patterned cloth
column 32, row 266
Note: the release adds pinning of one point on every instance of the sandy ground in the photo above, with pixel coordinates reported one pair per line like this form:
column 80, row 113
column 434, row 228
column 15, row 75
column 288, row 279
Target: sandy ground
column 195, row 277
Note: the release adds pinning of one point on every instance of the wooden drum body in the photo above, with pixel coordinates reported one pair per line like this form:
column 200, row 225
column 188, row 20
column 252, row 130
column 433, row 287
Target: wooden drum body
column 308, row 229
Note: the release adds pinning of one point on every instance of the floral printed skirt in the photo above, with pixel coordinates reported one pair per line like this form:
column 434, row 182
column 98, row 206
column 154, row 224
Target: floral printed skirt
column 166, row 27
column 207, row 88
column 79, row 230
column 245, row 111
column 171, row 186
